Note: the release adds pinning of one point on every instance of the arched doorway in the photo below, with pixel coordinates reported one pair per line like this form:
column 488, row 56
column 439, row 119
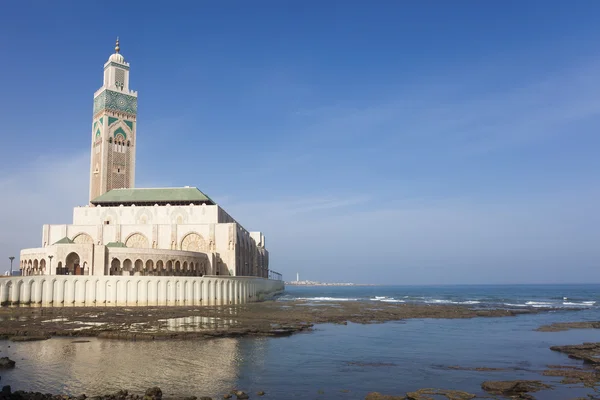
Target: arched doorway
column 72, row 264
column 139, row 268
column 115, row 266
column 150, row 268
column 127, row 267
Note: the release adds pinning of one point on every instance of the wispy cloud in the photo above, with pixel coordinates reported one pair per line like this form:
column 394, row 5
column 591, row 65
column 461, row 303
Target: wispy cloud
column 42, row 191
column 461, row 118
column 295, row 206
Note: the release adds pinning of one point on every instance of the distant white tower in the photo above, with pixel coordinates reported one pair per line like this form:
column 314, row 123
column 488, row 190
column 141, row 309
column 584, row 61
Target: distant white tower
column 297, row 277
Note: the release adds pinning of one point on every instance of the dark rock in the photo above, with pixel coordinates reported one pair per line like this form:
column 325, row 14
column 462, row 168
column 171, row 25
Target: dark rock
column 6, row 362
column 227, row 396
column 424, row 394
column 513, row 388
column 28, row 338
column 120, row 395
column 260, row 393
column 81, row 397
column 587, row 352
column 206, row 398
column 6, row 390
column 153, row 393
column 589, row 377
column 564, row 326
column 379, row 396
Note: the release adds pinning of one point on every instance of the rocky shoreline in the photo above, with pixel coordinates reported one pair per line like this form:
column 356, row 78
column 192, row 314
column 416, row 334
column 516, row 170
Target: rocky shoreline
column 278, row 319
column 153, row 393
column 270, row 318
column 565, row 326
column 587, row 375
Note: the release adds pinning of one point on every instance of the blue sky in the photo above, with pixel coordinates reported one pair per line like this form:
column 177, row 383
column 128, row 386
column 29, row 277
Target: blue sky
column 380, row 142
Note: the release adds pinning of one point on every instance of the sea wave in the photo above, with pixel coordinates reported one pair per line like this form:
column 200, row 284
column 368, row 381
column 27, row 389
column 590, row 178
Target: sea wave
column 325, row 298
column 486, row 302
column 442, row 301
column 386, row 299
column 514, row 305
column 581, row 304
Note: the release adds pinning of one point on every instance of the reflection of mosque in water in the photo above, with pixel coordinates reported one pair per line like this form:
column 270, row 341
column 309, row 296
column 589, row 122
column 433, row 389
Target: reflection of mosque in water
column 183, row 324
column 198, row 367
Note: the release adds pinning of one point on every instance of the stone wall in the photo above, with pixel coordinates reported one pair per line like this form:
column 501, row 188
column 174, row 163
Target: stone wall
column 94, row 291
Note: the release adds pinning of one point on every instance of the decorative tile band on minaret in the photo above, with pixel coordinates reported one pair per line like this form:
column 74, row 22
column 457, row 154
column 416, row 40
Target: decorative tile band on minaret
column 112, row 164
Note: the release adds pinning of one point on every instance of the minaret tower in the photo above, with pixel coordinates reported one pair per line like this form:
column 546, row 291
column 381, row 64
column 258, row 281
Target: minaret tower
column 113, row 129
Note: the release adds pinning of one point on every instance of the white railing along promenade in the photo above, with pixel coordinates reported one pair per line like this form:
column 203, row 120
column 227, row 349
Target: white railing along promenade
column 90, row 291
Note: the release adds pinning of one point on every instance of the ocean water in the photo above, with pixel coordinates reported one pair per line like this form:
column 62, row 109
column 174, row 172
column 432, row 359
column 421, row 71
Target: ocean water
column 479, row 296
column 334, row 361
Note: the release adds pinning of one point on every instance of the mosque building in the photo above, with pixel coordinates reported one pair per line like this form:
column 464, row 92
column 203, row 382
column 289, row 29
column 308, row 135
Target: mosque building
column 140, row 232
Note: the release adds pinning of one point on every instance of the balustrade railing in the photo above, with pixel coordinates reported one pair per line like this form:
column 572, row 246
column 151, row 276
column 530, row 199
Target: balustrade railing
column 275, row 275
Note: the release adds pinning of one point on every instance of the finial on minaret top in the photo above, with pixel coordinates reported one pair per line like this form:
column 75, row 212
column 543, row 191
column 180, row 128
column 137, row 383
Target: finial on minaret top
column 117, row 56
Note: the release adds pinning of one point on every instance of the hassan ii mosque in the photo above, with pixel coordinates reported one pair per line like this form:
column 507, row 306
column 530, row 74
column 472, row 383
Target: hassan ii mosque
column 154, row 232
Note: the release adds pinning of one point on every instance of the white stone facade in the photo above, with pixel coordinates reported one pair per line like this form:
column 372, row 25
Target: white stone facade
column 185, row 240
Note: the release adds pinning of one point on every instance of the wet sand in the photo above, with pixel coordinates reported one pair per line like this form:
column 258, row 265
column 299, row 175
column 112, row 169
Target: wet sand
column 270, row 318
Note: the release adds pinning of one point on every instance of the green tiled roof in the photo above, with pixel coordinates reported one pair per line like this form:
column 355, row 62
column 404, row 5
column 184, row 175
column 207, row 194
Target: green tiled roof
column 115, row 244
column 65, row 240
column 183, row 195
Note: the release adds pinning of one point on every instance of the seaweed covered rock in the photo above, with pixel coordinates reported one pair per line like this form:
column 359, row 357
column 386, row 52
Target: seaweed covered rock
column 513, row 388
column 6, row 362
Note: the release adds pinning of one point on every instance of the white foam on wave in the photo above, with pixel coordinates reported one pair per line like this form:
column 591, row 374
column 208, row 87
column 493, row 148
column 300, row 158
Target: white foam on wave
column 547, row 304
column 582, row 304
column 439, row 301
column 326, row 298
column 386, row 299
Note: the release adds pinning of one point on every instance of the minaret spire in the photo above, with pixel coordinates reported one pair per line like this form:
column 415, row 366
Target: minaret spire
column 113, row 129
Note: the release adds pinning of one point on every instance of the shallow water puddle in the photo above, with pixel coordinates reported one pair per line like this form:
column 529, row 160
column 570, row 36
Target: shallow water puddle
column 182, row 324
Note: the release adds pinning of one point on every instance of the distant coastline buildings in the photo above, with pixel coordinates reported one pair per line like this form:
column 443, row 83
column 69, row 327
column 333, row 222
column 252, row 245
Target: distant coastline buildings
column 314, row 283
column 298, row 282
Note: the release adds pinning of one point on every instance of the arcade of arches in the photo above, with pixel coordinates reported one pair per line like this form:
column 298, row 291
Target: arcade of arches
column 120, row 265
column 157, row 268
